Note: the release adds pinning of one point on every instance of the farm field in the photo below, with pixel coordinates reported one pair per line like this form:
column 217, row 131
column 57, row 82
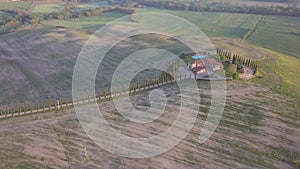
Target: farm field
column 86, row 22
column 253, row 2
column 214, row 24
column 237, row 25
column 89, row 5
column 251, row 134
column 286, row 29
column 52, row 52
column 48, row 8
column 18, row 6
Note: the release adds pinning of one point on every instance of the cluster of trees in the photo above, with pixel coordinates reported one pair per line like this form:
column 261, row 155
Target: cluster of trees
column 237, row 60
column 223, row 7
column 78, row 14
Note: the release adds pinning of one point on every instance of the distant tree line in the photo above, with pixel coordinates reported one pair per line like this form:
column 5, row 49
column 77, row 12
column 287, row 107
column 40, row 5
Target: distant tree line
column 20, row 18
column 222, row 7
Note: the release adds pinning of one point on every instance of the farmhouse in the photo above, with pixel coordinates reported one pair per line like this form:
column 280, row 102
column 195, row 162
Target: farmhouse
column 204, row 65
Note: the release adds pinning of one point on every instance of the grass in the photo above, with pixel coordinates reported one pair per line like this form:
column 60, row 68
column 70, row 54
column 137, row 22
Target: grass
column 18, row 6
column 48, row 8
column 229, row 69
column 279, row 33
column 89, row 5
column 86, row 22
column 282, row 73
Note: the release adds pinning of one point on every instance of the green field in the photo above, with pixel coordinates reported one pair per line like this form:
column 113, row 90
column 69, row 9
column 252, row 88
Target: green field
column 281, row 73
column 279, row 33
column 4, row 16
column 272, row 32
column 86, row 22
column 18, row 6
column 49, row 8
column 89, row 5
column 213, row 23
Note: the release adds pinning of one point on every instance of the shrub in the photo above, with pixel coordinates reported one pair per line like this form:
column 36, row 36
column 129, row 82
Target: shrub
column 235, row 75
column 230, row 69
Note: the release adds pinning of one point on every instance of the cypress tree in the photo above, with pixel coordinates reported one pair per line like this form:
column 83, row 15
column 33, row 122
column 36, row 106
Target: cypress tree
column 83, row 99
column 104, row 93
column 60, row 102
column 25, row 108
column 72, row 101
column 31, row 107
column 99, row 95
column 37, row 106
column 67, row 102
column 6, row 111
column 19, row 109
column 109, row 93
column 49, row 104
column 13, row 110
column 43, row 105
column 234, row 60
column 55, row 103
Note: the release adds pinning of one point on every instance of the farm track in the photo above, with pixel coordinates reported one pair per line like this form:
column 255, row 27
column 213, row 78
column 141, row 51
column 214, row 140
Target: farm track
column 252, row 29
column 32, row 4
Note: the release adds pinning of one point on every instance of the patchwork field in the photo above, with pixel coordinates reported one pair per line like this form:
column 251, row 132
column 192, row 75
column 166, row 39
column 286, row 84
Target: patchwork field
column 18, row 6
column 260, row 126
column 39, row 64
column 48, row 8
